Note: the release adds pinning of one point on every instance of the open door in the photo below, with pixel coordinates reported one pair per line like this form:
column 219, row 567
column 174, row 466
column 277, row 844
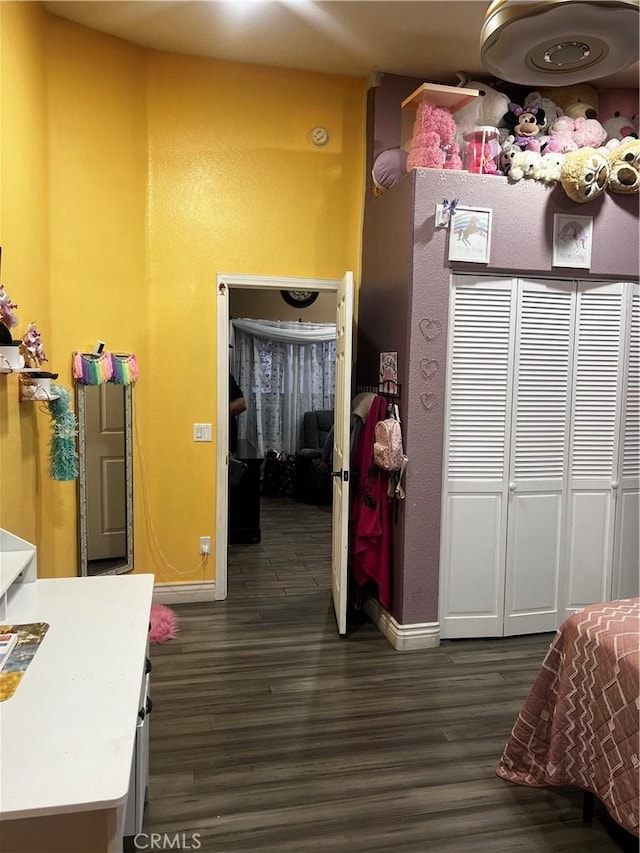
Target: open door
column 341, row 447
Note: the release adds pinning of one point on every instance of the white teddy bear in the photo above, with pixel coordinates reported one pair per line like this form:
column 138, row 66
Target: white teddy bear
column 486, row 110
column 524, row 164
column 549, row 167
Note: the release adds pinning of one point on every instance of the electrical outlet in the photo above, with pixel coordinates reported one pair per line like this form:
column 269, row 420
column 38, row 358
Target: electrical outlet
column 205, row 545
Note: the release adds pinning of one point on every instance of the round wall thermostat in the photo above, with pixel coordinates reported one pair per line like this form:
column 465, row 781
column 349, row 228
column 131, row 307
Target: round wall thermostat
column 319, row 136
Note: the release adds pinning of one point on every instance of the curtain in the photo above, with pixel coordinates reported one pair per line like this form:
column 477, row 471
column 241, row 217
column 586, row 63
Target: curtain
column 284, row 370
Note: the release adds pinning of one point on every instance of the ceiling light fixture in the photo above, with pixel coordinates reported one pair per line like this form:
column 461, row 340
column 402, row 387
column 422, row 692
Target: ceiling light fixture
column 559, row 42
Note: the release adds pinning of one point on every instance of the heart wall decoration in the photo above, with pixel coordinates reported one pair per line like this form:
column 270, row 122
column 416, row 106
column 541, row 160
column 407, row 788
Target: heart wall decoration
column 430, row 329
column 428, row 400
column 428, row 367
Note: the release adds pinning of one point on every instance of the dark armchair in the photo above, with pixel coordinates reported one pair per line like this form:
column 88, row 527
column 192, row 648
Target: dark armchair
column 313, row 485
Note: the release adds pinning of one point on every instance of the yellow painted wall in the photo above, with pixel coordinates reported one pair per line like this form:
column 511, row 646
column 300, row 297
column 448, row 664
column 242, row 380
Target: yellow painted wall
column 27, row 505
column 162, row 171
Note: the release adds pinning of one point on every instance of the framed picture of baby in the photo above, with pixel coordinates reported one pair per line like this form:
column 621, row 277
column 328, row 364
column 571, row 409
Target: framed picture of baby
column 572, row 239
column 470, row 234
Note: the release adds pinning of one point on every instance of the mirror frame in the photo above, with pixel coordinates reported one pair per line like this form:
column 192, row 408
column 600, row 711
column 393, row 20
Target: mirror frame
column 83, row 562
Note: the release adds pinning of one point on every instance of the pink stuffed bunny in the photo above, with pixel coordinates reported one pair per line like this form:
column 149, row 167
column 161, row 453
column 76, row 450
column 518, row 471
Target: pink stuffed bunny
column 589, row 133
column 561, row 136
column 434, row 143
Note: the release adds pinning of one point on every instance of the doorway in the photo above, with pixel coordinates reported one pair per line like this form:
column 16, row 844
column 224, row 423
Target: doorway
column 344, row 322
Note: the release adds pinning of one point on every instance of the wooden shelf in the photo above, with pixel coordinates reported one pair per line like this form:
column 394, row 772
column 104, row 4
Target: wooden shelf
column 451, row 97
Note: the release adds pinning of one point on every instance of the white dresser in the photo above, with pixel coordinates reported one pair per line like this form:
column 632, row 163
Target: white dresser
column 73, row 744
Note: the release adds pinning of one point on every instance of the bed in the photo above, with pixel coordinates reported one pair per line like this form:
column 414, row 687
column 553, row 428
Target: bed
column 579, row 724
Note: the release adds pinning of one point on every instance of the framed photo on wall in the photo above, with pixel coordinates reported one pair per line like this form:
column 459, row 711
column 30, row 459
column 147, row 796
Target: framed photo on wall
column 470, row 234
column 572, row 239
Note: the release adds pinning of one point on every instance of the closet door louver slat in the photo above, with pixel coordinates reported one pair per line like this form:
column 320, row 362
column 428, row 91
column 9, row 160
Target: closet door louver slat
column 479, row 380
column 597, row 396
column 627, row 538
column 539, row 450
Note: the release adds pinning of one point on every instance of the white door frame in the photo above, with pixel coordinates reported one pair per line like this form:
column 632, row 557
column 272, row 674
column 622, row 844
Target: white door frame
column 223, row 284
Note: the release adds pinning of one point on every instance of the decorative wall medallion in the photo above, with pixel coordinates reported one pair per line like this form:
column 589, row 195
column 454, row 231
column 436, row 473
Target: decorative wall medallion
column 430, row 329
column 428, row 400
column 428, row 367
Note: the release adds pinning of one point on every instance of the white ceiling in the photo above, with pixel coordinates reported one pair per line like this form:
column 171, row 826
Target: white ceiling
column 429, row 39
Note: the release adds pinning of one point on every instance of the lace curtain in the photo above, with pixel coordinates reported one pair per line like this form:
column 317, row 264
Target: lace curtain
column 284, row 370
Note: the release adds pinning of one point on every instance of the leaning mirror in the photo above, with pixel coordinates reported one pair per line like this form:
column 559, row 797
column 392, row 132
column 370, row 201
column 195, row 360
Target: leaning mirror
column 105, row 481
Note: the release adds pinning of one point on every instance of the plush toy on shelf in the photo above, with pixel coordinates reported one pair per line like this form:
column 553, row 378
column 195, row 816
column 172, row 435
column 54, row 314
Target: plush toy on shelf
column 618, row 112
column 580, row 99
column 484, row 111
column 552, row 111
column 525, row 125
column 549, row 167
column 624, row 163
column 525, row 164
column 584, row 174
column 589, row 133
column 561, row 136
column 434, row 145
column 389, row 167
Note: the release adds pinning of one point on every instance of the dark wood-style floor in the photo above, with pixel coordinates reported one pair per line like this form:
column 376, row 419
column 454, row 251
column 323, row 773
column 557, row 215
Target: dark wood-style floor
column 269, row 732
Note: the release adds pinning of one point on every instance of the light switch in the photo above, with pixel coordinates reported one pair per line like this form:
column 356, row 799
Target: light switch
column 202, row 432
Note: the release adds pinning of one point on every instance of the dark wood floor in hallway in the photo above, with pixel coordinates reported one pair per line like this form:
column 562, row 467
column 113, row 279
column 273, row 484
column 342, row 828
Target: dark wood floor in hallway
column 271, row 733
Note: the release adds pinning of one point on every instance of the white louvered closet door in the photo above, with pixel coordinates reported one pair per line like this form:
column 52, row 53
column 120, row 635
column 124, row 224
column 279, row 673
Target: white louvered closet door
column 539, row 454
column 627, row 539
column 595, row 431
column 479, row 383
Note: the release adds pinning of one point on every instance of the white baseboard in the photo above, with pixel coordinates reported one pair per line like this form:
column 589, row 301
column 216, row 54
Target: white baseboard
column 184, row 593
column 404, row 638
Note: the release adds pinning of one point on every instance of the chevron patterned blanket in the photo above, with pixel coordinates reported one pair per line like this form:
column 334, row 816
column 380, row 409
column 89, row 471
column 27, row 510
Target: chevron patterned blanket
column 579, row 724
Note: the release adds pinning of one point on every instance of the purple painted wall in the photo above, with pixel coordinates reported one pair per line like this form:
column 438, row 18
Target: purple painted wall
column 403, row 305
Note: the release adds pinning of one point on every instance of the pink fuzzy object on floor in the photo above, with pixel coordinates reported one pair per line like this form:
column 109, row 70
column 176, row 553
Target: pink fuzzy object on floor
column 164, row 624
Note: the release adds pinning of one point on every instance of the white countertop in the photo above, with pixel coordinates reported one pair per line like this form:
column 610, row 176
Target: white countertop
column 67, row 734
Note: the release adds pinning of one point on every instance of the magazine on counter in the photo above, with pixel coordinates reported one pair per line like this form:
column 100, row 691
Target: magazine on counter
column 7, row 642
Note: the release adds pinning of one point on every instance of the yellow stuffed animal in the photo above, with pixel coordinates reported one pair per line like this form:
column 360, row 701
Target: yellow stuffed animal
column 624, row 163
column 584, row 174
column 579, row 100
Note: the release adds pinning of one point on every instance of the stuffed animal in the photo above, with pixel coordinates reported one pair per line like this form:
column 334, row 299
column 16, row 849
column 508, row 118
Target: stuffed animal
column 434, row 145
column 485, row 110
column 525, row 164
column 588, row 133
column 624, row 162
column 507, row 154
column 618, row 112
column 561, row 136
column 549, row 167
column 552, row 111
column 524, row 124
column 584, row 174
column 388, row 168
column 581, row 99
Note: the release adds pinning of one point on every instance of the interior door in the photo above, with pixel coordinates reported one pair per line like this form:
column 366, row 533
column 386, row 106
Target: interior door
column 627, row 484
column 341, row 445
column 595, row 431
column 539, row 454
column 106, row 475
column 477, row 419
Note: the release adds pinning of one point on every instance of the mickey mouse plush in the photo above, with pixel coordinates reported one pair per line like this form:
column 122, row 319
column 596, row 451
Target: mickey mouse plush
column 525, row 124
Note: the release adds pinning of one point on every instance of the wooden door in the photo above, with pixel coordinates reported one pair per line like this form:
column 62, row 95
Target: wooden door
column 627, row 483
column 538, row 455
column 477, row 425
column 106, row 472
column 341, row 445
column 595, row 431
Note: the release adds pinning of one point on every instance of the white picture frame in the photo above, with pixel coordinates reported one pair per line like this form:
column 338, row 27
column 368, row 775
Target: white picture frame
column 572, row 240
column 470, row 235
